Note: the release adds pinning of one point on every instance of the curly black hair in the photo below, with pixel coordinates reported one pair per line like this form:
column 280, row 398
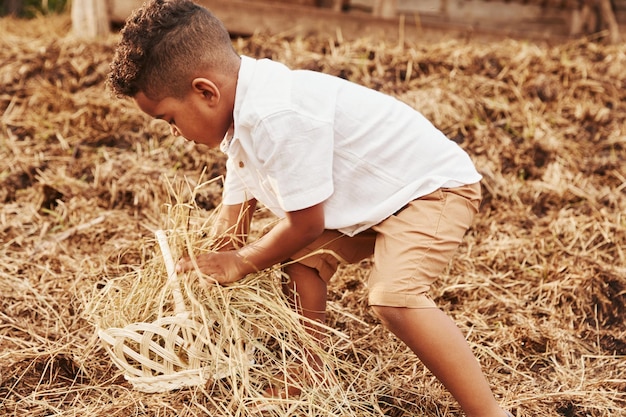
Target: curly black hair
column 165, row 44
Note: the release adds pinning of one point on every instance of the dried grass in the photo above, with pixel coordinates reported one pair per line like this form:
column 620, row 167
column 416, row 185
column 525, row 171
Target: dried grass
column 172, row 333
column 539, row 285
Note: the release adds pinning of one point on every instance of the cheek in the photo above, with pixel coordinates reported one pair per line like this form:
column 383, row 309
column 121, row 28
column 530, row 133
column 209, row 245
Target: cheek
column 191, row 124
column 200, row 121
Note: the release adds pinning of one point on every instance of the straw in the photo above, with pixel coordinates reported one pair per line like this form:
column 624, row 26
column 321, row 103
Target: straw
column 538, row 285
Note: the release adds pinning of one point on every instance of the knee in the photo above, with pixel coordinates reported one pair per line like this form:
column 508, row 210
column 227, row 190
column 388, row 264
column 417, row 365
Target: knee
column 291, row 268
column 389, row 316
column 296, row 271
column 303, row 277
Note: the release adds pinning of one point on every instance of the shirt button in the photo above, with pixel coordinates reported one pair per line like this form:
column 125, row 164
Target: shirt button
column 241, row 165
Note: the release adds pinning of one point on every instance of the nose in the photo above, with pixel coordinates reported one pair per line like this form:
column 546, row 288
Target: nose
column 175, row 131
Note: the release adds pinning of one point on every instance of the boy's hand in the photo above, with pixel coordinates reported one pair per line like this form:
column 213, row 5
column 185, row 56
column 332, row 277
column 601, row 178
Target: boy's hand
column 222, row 267
column 294, row 232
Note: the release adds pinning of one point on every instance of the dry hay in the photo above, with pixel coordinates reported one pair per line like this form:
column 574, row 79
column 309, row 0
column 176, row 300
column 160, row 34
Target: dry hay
column 538, row 287
column 167, row 332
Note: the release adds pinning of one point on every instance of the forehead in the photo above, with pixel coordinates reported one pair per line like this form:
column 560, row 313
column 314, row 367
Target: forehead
column 157, row 108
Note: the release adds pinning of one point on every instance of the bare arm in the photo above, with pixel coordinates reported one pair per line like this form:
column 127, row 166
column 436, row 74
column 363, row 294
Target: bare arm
column 294, row 232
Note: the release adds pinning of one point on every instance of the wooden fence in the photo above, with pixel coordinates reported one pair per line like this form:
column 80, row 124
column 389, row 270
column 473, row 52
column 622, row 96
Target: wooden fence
column 384, row 17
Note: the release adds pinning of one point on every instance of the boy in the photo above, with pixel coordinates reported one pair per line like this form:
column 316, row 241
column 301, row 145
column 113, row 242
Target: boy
column 345, row 168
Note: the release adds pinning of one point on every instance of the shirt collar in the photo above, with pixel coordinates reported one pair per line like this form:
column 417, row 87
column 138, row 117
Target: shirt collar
column 246, row 72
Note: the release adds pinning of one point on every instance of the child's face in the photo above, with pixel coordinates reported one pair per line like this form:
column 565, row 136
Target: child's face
column 196, row 117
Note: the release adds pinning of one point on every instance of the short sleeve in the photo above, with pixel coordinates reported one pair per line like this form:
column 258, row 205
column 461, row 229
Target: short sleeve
column 297, row 159
column 234, row 191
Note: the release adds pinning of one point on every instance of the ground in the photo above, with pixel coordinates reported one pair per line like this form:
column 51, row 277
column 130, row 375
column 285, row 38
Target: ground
column 538, row 286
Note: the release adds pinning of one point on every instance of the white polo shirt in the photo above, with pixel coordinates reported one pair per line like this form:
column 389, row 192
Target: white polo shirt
column 302, row 137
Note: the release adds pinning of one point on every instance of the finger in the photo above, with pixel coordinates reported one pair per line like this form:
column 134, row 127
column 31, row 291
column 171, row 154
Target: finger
column 183, row 264
column 211, row 279
column 208, row 281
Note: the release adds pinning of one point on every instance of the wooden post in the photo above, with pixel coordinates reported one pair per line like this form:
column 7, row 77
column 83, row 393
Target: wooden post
column 608, row 19
column 385, row 8
column 14, row 7
column 595, row 15
column 90, row 18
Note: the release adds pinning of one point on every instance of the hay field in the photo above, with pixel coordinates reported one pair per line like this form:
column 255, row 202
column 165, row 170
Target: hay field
column 538, row 287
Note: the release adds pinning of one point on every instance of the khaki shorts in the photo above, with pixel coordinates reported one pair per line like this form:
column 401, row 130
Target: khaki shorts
column 411, row 248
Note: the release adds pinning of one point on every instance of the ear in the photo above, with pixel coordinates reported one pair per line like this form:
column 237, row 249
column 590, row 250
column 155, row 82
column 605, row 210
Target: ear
column 208, row 89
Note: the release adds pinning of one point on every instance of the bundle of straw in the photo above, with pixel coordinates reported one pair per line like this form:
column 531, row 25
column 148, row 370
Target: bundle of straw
column 170, row 352
column 166, row 332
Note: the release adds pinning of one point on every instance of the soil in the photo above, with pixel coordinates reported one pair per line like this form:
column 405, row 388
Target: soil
column 538, row 286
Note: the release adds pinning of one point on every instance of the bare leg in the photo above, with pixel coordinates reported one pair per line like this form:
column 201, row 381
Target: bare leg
column 441, row 347
column 308, row 294
column 307, row 291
